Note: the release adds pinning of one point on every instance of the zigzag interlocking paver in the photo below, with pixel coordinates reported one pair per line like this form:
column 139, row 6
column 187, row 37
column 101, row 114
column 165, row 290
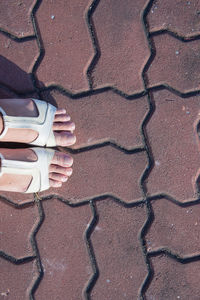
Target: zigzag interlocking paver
column 16, row 281
column 118, row 252
column 96, row 124
column 123, row 47
column 181, row 17
column 15, row 17
column 174, row 142
column 68, row 45
column 174, row 228
column 176, row 64
column 17, row 198
column 98, row 172
column 63, row 252
column 16, row 61
column 15, row 238
column 173, row 280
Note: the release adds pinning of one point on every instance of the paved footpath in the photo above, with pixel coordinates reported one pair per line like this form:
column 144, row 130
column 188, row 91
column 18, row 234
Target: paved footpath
column 127, row 223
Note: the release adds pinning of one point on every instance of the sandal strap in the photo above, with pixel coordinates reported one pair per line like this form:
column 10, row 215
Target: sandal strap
column 42, row 123
column 39, row 170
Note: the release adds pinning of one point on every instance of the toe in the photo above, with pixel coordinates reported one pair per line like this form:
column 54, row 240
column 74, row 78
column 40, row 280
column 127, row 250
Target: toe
column 60, row 111
column 54, row 183
column 58, row 177
column 64, row 126
column 60, row 170
column 65, row 138
column 62, row 159
column 63, row 129
column 61, row 118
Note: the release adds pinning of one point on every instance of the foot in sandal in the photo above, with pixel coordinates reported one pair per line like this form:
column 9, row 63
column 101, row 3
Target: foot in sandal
column 35, row 122
column 33, row 169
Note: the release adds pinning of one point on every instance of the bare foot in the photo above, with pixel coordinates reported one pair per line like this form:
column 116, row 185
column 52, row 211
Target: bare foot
column 62, row 127
column 59, row 170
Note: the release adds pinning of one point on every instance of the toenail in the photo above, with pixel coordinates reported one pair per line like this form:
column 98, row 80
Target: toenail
column 68, row 161
column 73, row 139
column 73, row 126
column 64, row 179
column 69, row 172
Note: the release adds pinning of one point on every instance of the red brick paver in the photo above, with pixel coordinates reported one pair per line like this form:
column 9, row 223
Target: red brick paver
column 118, row 252
column 173, row 280
column 16, row 61
column 65, row 259
column 15, row 239
column 174, row 228
column 15, row 17
column 17, row 280
column 176, row 64
column 96, row 124
column 172, row 132
column 17, row 198
column 98, row 172
column 67, row 30
column 122, row 44
column 180, row 17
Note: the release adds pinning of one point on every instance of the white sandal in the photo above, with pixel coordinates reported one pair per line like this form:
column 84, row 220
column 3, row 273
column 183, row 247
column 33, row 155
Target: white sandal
column 39, row 170
column 42, row 124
